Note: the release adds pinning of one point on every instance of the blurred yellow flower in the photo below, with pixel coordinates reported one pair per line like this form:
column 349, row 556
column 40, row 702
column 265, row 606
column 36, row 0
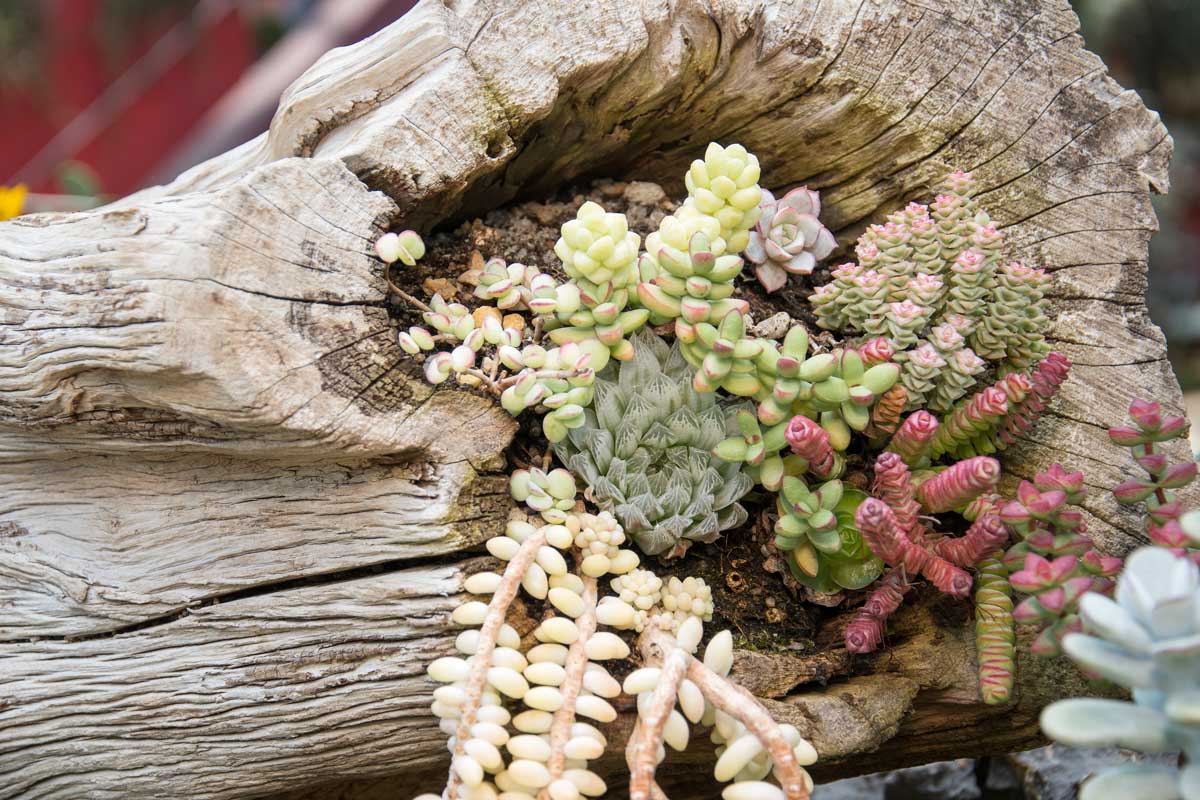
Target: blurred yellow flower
column 12, row 200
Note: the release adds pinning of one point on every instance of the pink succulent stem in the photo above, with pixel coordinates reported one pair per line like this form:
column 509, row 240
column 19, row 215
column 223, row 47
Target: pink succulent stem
column 1045, row 380
column 510, row 583
column 986, row 537
column 882, row 533
column 913, row 439
column 959, row 485
column 811, row 442
column 893, row 485
column 866, row 629
column 575, row 667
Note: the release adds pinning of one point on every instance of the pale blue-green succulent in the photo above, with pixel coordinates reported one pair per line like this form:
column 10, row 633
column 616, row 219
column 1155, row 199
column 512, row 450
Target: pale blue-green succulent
column 644, row 450
column 1146, row 640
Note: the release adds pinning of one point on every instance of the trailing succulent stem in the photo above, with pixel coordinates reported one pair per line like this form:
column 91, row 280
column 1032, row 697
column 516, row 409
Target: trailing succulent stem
column 542, row 750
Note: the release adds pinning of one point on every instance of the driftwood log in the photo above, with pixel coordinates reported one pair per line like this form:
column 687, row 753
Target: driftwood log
column 232, row 514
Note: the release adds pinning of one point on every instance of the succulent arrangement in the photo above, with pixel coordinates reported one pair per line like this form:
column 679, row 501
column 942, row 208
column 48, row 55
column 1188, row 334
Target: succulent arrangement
column 878, row 448
column 520, row 718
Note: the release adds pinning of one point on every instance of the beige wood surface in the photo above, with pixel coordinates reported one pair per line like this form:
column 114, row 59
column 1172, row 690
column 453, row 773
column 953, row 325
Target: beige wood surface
column 231, row 509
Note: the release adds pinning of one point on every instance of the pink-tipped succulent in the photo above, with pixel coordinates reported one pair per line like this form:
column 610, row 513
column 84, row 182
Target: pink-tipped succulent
column 811, row 442
column 914, row 438
column 1163, row 476
column 994, row 418
column 789, row 239
column 1054, row 562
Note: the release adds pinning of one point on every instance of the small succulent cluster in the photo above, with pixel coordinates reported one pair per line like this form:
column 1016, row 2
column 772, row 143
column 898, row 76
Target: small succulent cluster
column 1164, row 511
column 1050, row 567
column 722, row 203
column 821, row 399
column 788, row 239
column 817, row 530
column 645, row 451
column 892, row 524
column 516, row 716
column 1148, row 641
column 494, row 352
column 930, row 281
column 1054, row 560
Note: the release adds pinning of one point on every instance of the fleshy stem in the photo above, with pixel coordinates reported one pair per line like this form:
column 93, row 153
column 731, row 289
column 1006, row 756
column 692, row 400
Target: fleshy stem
column 510, row 583
column 985, row 538
column 575, row 668
column 883, row 534
column 958, row 485
column 737, row 702
column 632, row 749
column 644, row 756
column 387, row 276
column 865, row 631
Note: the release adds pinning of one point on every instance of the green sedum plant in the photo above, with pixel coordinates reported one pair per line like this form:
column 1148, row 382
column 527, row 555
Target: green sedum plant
column 816, row 529
column 931, row 282
column 645, row 451
column 1146, row 640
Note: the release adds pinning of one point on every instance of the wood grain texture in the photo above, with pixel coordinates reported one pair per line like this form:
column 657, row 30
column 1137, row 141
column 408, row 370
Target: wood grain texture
column 230, row 509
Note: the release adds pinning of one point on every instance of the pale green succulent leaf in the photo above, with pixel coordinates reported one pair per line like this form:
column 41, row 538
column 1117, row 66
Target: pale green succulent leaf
column 1092, row 722
column 1140, row 781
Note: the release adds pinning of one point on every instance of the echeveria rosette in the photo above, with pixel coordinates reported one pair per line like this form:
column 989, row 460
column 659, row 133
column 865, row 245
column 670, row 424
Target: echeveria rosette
column 788, row 238
column 1147, row 640
column 817, row 531
column 1163, row 508
column 644, row 449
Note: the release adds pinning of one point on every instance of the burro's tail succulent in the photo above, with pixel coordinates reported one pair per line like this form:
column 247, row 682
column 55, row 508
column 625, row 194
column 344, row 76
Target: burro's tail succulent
column 644, row 449
column 519, row 714
column 1148, row 641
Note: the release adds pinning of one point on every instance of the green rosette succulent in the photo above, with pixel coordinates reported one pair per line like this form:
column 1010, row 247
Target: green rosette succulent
column 816, row 529
column 644, row 450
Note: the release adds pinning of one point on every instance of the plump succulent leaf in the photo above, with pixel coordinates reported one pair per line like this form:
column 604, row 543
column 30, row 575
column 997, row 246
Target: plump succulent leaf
column 827, row 560
column 1147, row 639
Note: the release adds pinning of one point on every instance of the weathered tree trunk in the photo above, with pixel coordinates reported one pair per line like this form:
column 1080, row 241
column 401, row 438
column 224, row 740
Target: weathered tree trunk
column 233, row 515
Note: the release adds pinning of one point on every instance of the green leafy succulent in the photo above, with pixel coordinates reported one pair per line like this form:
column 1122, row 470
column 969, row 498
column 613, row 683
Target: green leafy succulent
column 644, row 449
column 817, row 531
